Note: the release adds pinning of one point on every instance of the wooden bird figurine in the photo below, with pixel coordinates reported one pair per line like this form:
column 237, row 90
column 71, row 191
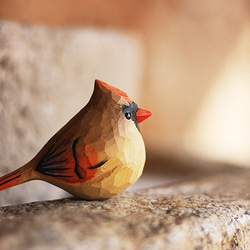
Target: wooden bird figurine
column 97, row 154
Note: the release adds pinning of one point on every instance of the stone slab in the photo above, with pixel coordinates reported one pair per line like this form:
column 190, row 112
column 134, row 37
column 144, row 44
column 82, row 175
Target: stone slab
column 209, row 212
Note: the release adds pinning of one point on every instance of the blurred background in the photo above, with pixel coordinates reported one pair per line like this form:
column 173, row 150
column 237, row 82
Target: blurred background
column 186, row 61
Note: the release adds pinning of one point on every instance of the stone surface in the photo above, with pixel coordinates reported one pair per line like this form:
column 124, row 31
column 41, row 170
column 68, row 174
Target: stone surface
column 209, row 212
column 46, row 76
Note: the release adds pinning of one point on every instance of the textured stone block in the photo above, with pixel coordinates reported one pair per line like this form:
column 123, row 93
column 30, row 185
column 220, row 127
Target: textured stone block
column 204, row 213
column 46, row 76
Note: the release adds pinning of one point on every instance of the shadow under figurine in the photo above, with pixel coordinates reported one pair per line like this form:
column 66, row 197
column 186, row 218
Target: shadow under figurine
column 97, row 154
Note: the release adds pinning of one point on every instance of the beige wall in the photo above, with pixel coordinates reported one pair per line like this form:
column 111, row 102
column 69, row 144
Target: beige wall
column 198, row 79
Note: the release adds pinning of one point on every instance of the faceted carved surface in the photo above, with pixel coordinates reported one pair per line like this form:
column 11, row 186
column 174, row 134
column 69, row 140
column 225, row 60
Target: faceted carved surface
column 109, row 137
column 97, row 154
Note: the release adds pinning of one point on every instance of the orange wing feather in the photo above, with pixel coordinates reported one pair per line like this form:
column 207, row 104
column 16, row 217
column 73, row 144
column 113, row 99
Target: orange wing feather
column 69, row 162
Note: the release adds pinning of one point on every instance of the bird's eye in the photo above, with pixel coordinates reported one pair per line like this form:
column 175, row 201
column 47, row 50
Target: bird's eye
column 128, row 115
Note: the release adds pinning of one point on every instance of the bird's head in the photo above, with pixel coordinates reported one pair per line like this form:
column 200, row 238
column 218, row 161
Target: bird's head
column 129, row 108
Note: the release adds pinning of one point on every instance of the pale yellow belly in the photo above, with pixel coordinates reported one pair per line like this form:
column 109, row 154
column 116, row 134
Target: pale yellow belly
column 126, row 153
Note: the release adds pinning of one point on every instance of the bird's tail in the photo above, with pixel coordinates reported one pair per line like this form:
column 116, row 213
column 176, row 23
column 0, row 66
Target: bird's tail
column 14, row 178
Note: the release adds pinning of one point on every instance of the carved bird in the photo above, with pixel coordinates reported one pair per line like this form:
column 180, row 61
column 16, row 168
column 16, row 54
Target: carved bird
column 97, row 154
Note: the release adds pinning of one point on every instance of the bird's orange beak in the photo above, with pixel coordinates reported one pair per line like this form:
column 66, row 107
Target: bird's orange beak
column 142, row 114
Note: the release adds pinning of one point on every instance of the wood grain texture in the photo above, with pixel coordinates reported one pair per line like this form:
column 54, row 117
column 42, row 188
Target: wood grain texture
column 97, row 154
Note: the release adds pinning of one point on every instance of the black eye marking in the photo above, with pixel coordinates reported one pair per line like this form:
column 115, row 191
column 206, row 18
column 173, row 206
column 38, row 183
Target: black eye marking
column 128, row 115
column 129, row 112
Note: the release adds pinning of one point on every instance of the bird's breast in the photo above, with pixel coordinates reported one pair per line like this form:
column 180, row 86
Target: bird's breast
column 125, row 158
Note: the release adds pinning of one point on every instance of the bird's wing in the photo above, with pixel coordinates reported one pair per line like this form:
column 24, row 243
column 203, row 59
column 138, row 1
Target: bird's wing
column 68, row 161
